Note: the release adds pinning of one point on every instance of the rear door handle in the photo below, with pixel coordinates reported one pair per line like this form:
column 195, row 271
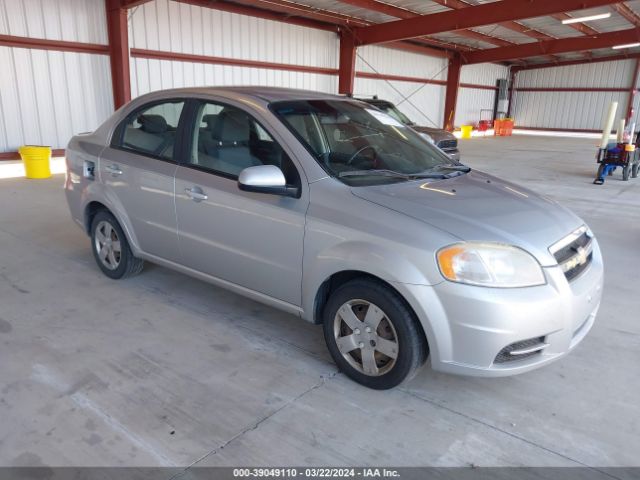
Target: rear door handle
column 114, row 170
column 196, row 194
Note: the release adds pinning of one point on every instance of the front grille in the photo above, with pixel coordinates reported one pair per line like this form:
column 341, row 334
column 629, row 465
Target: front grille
column 574, row 253
column 521, row 350
column 448, row 144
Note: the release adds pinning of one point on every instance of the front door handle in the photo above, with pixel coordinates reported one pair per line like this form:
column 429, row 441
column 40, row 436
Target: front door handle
column 114, row 170
column 196, row 194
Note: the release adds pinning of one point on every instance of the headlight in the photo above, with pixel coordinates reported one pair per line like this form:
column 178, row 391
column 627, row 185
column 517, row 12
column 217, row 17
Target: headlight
column 489, row 265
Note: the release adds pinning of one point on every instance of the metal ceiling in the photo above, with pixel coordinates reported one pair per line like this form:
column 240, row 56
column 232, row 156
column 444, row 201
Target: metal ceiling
column 484, row 37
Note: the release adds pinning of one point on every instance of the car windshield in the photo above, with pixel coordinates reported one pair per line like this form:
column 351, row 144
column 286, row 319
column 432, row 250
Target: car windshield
column 360, row 145
column 395, row 113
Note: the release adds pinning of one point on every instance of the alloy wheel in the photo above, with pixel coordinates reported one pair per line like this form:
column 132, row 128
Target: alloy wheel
column 366, row 337
column 107, row 245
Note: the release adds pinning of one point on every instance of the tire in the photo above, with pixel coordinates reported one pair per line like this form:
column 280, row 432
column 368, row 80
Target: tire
column 626, row 170
column 395, row 330
column 111, row 249
column 634, row 170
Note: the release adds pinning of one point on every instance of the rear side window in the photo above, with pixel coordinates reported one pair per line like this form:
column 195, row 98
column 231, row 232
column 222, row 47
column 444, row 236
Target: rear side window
column 151, row 130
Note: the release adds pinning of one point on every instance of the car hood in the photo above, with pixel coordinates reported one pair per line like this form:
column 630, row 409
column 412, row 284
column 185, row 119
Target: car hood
column 477, row 206
column 436, row 133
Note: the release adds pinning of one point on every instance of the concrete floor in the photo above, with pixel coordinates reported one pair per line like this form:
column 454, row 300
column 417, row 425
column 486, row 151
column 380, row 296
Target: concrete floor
column 162, row 369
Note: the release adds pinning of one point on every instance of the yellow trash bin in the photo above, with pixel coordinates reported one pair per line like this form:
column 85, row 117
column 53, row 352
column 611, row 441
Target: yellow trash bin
column 466, row 131
column 36, row 160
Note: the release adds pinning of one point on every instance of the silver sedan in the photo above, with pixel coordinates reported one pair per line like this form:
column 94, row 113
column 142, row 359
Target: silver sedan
column 327, row 208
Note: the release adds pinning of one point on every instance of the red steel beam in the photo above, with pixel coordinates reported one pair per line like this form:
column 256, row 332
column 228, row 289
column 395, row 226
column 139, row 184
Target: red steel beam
column 291, row 8
column 56, row 45
column 118, row 52
column 260, row 13
column 312, row 18
column 511, row 25
column 628, row 14
column 633, row 90
column 397, row 12
column 549, row 47
column 421, row 49
column 235, row 62
column 451, row 97
column 347, row 70
column 484, row 14
column 132, row 3
column 580, row 27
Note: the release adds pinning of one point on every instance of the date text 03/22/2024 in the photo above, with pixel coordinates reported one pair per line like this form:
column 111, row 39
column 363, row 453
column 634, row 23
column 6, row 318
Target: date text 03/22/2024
column 286, row 473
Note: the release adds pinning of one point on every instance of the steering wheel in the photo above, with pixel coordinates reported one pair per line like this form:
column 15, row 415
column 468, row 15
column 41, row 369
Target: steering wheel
column 359, row 151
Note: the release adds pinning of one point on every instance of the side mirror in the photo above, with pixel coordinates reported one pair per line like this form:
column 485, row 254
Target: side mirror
column 266, row 179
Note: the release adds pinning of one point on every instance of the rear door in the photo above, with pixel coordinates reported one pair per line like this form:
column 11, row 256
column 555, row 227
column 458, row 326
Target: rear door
column 138, row 169
column 250, row 239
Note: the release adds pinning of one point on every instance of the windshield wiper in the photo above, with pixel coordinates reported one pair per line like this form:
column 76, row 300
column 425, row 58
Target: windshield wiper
column 456, row 168
column 390, row 173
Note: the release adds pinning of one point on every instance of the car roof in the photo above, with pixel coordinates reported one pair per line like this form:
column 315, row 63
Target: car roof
column 267, row 94
column 375, row 101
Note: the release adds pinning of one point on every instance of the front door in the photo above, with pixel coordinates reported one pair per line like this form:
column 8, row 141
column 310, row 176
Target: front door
column 138, row 169
column 253, row 240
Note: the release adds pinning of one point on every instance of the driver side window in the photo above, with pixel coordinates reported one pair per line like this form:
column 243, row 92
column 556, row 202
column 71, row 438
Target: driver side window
column 226, row 140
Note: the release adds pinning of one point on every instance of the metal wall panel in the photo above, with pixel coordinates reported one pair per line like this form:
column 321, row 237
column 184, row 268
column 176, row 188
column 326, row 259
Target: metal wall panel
column 565, row 110
column 148, row 75
column 483, row 73
column 571, row 110
column 470, row 102
column 46, row 97
column 372, row 58
column 177, row 27
column 71, row 20
column 425, row 105
column 588, row 75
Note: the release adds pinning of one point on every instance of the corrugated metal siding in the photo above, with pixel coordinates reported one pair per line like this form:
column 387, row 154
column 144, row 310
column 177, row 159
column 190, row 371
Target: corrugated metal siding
column 182, row 28
column 46, row 97
column 483, row 73
column 373, row 58
column 590, row 75
column 565, row 110
column 571, row 110
column 71, row 20
column 470, row 102
column 426, row 107
column 149, row 75
column 426, row 101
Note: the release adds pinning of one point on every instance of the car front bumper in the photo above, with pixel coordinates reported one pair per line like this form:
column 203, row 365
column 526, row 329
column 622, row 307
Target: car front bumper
column 468, row 326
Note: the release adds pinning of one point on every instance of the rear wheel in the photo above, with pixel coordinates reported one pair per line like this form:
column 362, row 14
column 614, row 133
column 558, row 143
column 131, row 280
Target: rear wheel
column 634, row 170
column 372, row 335
column 626, row 171
column 111, row 249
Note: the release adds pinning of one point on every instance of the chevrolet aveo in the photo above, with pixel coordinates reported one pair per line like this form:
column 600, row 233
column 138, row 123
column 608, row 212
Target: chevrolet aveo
column 328, row 208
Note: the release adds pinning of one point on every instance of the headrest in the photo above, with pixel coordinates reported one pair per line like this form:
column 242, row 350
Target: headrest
column 234, row 126
column 211, row 120
column 152, row 123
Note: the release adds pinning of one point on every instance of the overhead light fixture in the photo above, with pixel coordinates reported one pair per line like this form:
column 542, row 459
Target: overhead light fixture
column 588, row 18
column 626, row 45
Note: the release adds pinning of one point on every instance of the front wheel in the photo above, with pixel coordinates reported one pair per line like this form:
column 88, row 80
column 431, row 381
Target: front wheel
column 626, row 171
column 634, row 170
column 372, row 335
column 111, row 249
